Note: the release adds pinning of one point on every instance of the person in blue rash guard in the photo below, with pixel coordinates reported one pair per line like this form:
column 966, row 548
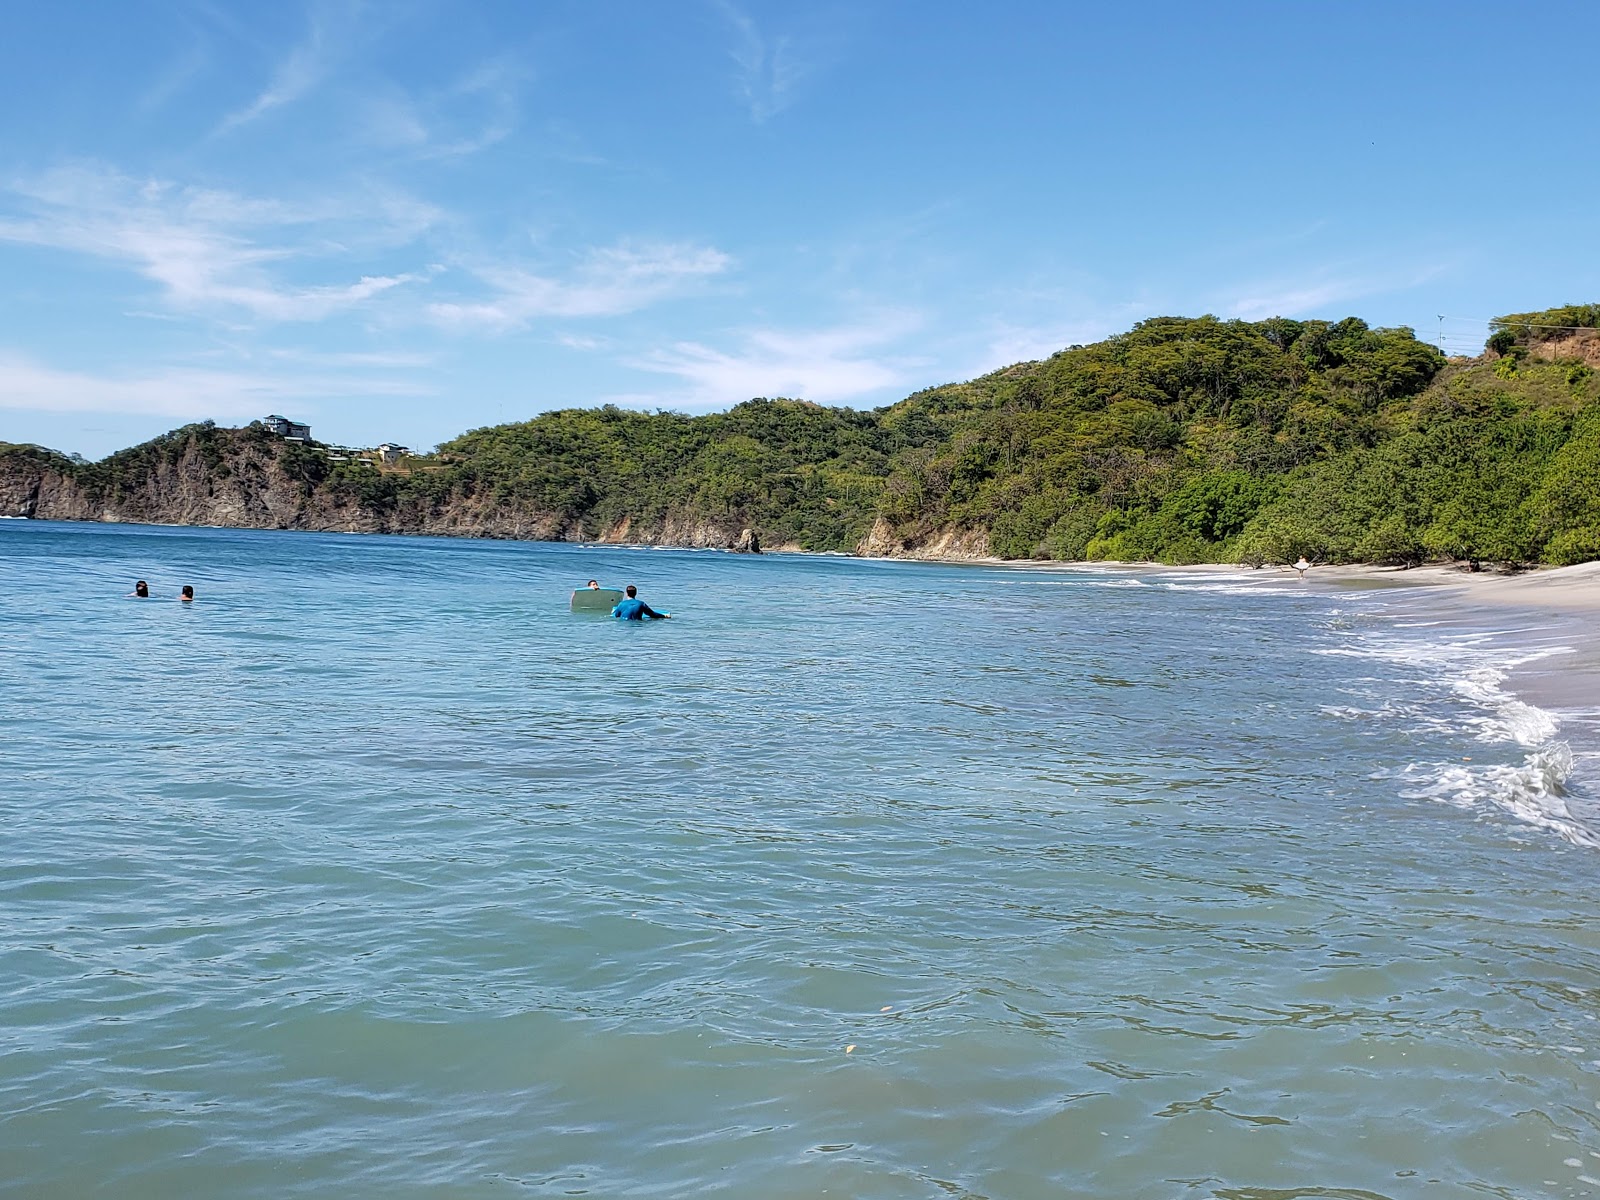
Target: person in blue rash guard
column 635, row 609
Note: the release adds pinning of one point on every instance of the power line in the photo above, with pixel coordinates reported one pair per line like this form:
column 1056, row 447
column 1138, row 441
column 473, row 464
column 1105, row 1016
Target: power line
column 1511, row 321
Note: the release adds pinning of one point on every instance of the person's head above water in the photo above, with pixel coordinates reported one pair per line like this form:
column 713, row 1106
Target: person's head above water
column 142, row 589
column 595, row 584
column 632, row 591
column 187, row 593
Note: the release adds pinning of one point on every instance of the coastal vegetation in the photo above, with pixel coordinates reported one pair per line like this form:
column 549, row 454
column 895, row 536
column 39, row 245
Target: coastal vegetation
column 1183, row 440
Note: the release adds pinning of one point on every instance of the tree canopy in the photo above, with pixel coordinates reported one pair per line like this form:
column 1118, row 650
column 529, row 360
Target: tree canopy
column 1181, row 440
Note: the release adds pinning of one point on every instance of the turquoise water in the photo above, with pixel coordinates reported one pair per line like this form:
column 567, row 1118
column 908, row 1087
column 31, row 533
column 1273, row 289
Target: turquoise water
column 375, row 872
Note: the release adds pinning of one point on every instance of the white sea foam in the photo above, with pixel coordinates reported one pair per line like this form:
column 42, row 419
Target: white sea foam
column 1471, row 670
column 1224, row 588
column 1531, row 791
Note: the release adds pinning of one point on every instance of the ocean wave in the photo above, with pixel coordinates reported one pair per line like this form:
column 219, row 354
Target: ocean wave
column 1471, row 669
column 1532, row 791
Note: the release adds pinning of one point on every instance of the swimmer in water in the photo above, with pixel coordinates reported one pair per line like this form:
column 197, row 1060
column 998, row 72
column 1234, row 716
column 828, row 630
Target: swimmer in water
column 141, row 589
column 594, row 585
column 187, row 593
column 635, row 609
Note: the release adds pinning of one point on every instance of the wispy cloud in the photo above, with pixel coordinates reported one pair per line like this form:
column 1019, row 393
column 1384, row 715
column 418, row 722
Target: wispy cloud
column 1258, row 301
column 767, row 68
column 829, row 366
column 208, row 249
column 179, row 75
column 607, row 282
column 1010, row 344
column 388, row 360
column 1289, row 300
column 300, row 72
column 477, row 112
column 188, row 393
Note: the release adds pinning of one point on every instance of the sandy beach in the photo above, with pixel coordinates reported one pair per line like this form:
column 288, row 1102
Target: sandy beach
column 1566, row 589
column 1559, row 589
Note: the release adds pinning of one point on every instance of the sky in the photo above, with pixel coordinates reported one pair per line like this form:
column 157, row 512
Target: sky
column 400, row 220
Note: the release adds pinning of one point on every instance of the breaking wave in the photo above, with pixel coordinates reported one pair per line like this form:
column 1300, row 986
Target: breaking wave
column 1461, row 689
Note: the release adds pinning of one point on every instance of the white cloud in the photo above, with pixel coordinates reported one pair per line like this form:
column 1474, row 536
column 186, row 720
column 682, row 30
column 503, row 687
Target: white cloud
column 178, row 76
column 205, row 248
column 188, row 393
column 383, row 359
column 298, row 74
column 1288, row 300
column 1011, row 344
column 302, row 70
column 477, row 112
column 1276, row 299
column 607, row 282
column 829, row 366
column 767, row 68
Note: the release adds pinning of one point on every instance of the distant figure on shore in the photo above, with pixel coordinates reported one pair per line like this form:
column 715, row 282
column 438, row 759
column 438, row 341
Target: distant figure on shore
column 141, row 589
column 635, row 609
column 1302, row 566
column 187, row 593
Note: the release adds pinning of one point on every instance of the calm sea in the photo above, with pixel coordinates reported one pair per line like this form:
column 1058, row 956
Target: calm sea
column 376, row 872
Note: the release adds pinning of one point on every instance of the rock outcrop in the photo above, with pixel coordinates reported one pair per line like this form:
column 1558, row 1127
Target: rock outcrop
column 245, row 478
column 1576, row 345
column 883, row 540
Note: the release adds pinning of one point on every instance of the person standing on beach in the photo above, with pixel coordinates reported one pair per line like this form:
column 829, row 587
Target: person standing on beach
column 635, row 609
column 1302, row 566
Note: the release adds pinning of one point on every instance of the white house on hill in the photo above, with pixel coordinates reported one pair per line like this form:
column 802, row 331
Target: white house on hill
column 286, row 428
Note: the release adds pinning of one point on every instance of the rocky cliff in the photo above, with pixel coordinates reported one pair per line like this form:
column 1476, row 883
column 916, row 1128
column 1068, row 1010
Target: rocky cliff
column 244, row 478
column 883, row 540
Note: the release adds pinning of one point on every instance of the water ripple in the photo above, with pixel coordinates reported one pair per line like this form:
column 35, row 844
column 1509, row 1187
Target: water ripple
column 377, row 872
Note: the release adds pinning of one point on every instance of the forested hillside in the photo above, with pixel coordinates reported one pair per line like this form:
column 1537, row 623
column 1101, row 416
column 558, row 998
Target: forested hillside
column 1183, row 440
column 1201, row 440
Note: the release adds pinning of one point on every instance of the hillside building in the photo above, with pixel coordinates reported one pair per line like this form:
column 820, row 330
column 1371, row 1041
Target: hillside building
column 286, row 428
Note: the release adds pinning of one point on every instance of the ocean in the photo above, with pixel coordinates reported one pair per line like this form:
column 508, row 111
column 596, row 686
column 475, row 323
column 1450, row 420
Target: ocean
column 377, row 872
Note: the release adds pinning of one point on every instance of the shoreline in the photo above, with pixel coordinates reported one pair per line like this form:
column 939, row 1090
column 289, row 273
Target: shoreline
column 1573, row 588
column 1544, row 619
column 1538, row 589
column 1540, row 626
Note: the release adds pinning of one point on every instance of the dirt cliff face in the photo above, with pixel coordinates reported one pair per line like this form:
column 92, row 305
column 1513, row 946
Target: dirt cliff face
column 883, row 540
column 690, row 533
column 1581, row 345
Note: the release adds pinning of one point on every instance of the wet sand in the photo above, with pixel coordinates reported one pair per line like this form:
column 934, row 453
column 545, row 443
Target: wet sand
column 1561, row 589
column 1537, row 610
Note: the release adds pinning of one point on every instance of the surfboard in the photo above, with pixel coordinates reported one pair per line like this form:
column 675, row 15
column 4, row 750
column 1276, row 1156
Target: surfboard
column 596, row 599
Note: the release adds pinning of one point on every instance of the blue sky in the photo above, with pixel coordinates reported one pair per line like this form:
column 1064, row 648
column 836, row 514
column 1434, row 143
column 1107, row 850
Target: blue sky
column 401, row 220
